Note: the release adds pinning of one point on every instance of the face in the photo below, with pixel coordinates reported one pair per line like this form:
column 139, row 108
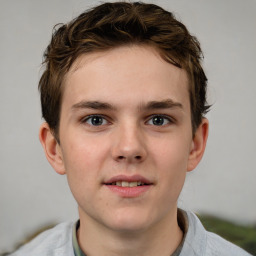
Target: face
column 125, row 137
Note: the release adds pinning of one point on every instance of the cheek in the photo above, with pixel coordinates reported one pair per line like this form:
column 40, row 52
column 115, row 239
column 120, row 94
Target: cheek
column 82, row 153
column 171, row 153
column 171, row 159
column 82, row 163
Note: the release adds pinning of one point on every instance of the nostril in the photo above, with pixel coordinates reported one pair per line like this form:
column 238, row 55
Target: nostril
column 123, row 157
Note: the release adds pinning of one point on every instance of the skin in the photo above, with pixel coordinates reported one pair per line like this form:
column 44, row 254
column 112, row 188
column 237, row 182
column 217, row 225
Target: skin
column 133, row 136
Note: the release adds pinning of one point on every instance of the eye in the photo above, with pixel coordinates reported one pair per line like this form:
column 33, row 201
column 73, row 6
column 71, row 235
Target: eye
column 95, row 120
column 159, row 120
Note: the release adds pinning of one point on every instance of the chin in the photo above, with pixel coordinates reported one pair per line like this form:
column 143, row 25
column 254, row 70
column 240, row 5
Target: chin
column 129, row 222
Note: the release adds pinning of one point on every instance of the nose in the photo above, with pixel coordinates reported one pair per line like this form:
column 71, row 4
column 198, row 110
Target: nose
column 129, row 145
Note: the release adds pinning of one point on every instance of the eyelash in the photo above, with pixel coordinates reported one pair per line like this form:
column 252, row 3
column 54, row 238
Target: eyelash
column 85, row 120
column 165, row 117
column 105, row 120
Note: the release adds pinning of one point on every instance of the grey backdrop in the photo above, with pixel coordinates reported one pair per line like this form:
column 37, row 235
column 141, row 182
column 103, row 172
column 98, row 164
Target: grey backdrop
column 32, row 195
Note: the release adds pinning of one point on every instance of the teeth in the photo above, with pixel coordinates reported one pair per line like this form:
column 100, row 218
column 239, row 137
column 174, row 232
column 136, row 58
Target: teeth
column 133, row 184
column 128, row 184
column 125, row 184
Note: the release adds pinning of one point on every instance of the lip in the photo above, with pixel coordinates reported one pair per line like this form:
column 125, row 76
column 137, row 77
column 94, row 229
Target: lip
column 128, row 179
column 128, row 192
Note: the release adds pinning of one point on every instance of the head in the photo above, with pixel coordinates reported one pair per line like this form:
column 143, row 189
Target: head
column 125, row 152
column 112, row 25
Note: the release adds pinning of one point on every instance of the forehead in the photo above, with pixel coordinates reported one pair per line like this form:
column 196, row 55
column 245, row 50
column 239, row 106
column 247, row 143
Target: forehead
column 125, row 72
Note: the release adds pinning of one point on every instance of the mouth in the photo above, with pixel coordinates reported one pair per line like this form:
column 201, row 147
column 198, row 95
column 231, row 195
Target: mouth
column 128, row 181
column 127, row 184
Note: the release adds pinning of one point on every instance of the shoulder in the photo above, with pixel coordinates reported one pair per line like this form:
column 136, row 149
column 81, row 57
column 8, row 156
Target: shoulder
column 218, row 246
column 199, row 242
column 53, row 242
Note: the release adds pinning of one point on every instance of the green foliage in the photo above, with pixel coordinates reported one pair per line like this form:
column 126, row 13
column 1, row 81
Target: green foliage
column 243, row 236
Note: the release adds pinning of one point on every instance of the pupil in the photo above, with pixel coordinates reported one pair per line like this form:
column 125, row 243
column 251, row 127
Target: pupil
column 97, row 120
column 158, row 120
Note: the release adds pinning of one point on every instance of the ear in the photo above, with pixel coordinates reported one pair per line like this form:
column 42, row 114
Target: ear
column 198, row 145
column 52, row 148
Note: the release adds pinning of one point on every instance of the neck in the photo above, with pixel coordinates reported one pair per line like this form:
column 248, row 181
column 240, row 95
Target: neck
column 161, row 239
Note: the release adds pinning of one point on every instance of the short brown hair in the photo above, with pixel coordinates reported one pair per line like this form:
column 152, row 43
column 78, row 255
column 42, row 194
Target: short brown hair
column 114, row 24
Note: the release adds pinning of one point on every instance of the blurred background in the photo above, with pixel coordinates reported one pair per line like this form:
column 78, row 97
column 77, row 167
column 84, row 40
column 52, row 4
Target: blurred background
column 33, row 196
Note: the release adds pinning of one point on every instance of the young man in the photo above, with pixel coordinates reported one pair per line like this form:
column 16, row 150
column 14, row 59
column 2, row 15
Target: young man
column 123, row 97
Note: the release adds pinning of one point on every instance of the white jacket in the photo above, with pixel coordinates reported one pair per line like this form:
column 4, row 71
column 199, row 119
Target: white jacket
column 198, row 242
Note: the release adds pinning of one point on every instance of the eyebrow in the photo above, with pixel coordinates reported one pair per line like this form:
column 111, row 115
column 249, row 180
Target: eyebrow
column 163, row 104
column 93, row 105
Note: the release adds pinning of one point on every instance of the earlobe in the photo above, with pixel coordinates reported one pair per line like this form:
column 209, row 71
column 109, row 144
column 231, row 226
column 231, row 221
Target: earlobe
column 198, row 145
column 52, row 149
